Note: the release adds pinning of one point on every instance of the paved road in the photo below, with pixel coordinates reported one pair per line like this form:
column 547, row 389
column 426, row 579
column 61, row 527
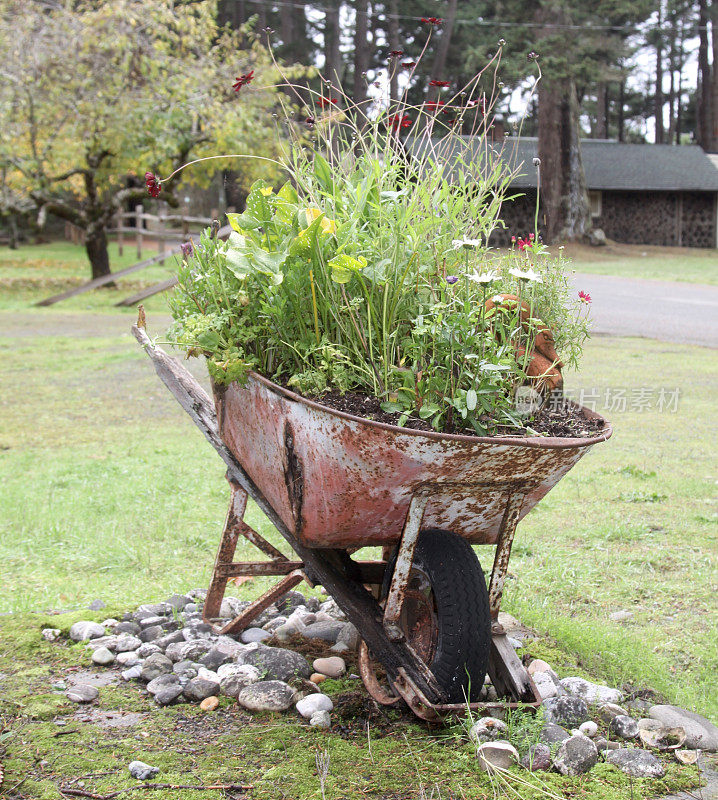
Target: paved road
column 670, row 311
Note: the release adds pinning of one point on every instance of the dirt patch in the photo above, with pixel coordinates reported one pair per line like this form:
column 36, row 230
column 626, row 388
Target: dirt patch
column 91, row 678
column 563, row 422
column 109, row 719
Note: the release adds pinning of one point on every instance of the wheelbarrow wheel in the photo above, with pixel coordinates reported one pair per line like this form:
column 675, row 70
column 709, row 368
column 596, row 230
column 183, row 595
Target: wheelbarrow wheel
column 446, row 612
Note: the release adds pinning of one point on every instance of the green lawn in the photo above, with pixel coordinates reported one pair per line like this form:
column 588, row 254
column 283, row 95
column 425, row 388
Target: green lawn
column 688, row 264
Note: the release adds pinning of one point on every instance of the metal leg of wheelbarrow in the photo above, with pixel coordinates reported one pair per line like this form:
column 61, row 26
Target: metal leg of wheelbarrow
column 507, row 673
column 225, row 568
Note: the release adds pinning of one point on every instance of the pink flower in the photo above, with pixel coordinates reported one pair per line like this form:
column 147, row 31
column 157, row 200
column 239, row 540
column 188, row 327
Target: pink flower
column 524, row 243
column 584, row 297
column 153, row 183
column 243, row 80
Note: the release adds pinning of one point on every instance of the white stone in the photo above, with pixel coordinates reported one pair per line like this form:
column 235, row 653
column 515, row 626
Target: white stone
column 589, row 729
column 545, row 685
column 492, row 756
column 127, row 643
column 128, row 659
column 132, row 673
column 83, row 631
column 103, row 657
column 322, row 719
column 591, row 692
column 207, row 675
column 309, row 705
column 50, row 634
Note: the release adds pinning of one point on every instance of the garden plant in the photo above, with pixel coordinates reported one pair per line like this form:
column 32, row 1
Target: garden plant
column 369, row 271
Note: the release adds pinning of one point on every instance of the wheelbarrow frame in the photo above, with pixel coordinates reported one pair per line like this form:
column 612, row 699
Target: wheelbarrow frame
column 346, row 579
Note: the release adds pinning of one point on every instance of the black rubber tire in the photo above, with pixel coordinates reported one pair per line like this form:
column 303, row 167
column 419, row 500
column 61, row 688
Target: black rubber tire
column 462, row 612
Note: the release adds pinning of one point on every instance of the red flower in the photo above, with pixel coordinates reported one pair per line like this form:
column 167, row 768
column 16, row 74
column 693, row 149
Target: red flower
column 400, row 121
column 434, row 106
column 435, row 21
column 310, row 120
column 324, row 102
column 584, row 297
column 154, row 185
column 243, row 80
column 440, row 84
column 396, row 53
column 408, row 64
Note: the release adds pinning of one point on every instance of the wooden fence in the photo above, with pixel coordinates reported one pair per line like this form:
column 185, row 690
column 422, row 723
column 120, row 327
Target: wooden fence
column 145, row 231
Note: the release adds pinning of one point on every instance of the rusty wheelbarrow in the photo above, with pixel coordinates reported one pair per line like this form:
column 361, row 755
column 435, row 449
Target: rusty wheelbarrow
column 332, row 483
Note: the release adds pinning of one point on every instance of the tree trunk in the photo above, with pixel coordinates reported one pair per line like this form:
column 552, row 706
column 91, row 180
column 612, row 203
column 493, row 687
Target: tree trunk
column 602, row 111
column 96, row 247
column 332, row 56
column 393, row 30
column 564, row 199
column 361, row 51
column 658, row 100
column 621, row 134
column 703, row 94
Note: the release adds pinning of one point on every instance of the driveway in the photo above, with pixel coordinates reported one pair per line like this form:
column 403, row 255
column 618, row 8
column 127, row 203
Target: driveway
column 670, row 311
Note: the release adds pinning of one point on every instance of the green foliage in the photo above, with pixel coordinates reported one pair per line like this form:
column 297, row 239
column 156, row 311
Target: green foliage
column 369, row 271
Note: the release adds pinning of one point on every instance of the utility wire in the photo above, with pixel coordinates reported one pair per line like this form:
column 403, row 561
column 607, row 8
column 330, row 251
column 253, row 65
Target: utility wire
column 627, row 29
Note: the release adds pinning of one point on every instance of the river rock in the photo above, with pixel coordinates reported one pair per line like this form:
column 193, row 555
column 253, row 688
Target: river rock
column 309, row 705
column 321, row 719
column 83, row 631
column 151, row 634
column 589, row 729
column 132, row 673
column 209, row 703
column 537, row 665
column 141, row 771
column 214, row 658
column 546, row 685
column 51, row 634
column 266, row 696
column 82, row 693
column 128, row 659
column 537, row 757
column 103, row 657
column 151, row 622
column 610, row 710
column 349, row 636
column 553, row 734
column 328, row 630
column 317, row 677
column 487, row 729
column 177, row 601
column 129, row 627
column 591, row 692
column 147, row 649
column 662, row 738
column 568, row 710
column 207, row 675
column 198, row 689
column 168, row 694
column 623, row 726
column 158, row 609
column 273, row 624
column 701, row 734
column 235, row 678
column 496, row 755
column 276, row 663
column 636, row 763
column 169, row 679
column 255, row 635
column 575, row 756
column 154, row 666
column 332, row 667
column 127, row 643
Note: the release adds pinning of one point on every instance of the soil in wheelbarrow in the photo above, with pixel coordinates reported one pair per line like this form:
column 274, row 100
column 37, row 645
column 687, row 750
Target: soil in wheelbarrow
column 556, row 420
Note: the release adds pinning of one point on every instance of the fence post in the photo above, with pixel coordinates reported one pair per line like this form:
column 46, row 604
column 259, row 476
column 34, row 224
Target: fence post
column 139, row 211
column 120, row 235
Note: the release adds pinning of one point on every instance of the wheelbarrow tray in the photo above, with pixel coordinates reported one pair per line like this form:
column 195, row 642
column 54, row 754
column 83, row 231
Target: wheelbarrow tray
column 342, row 481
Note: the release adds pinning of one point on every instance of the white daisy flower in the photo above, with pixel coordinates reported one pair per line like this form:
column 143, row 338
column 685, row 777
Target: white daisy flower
column 486, row 278
column 527, row 275
column 467, row 244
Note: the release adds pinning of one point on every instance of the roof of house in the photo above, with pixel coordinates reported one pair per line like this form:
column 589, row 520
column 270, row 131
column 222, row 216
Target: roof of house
column 613, row 165
column 618, row 166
